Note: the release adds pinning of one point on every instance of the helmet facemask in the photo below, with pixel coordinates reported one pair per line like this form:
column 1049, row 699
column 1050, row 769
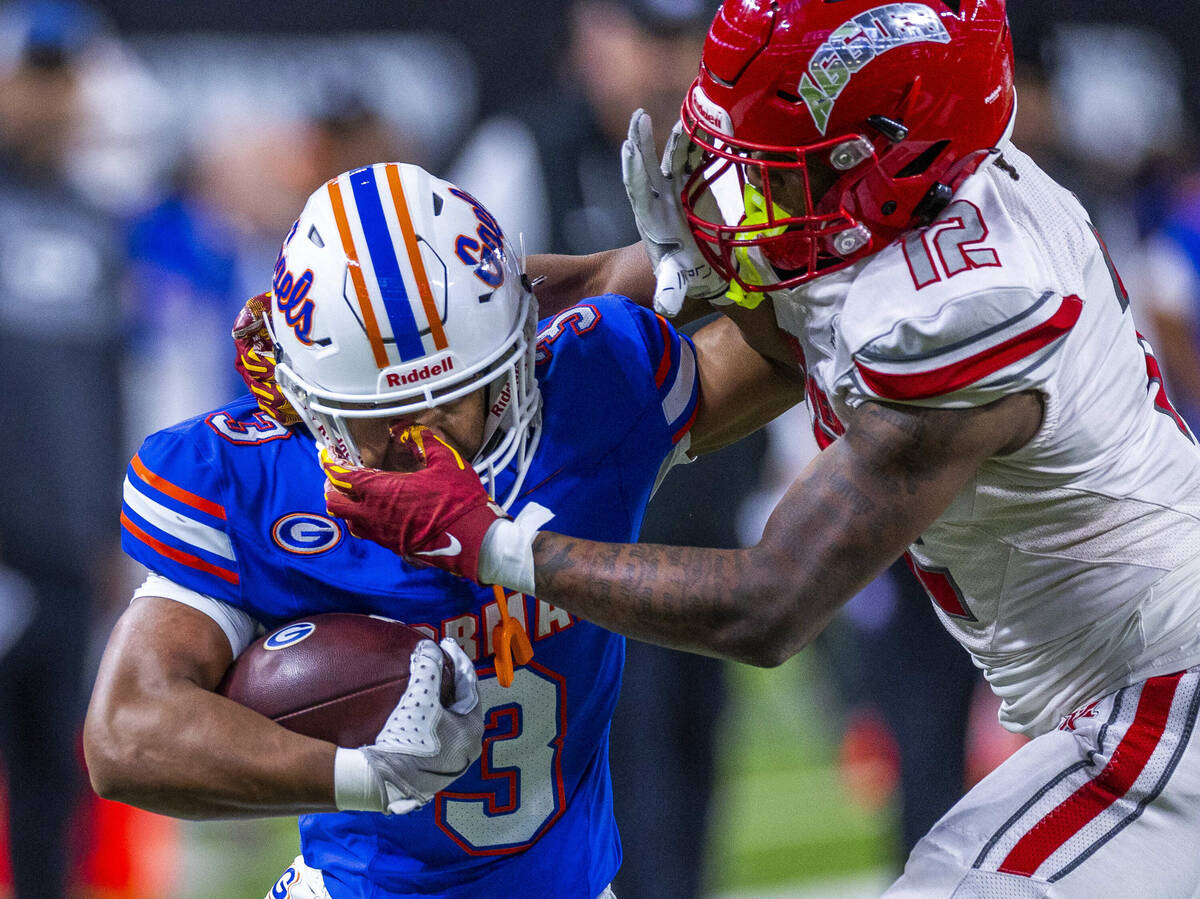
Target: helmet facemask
column 512, row 426
column 792, row 208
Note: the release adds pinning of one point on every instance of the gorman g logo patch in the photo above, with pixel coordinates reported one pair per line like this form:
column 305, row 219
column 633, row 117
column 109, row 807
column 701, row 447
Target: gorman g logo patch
column 306, row 533
column 290, row 636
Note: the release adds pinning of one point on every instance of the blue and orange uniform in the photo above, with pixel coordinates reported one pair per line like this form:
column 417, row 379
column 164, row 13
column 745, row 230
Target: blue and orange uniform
column 231, row 505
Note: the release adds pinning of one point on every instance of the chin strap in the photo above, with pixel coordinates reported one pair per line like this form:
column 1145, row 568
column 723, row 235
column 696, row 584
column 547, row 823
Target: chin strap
column 933, row 203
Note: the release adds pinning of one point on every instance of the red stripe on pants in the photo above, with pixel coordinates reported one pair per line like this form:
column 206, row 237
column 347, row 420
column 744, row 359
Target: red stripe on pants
column 1123, row 769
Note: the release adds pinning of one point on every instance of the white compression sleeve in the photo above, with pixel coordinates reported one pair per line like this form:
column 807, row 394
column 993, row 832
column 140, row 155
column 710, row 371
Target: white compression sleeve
column 239, row 627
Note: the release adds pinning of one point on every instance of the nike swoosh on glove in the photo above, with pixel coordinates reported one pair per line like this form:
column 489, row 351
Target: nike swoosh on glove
column 437, row 515
column 255, row 360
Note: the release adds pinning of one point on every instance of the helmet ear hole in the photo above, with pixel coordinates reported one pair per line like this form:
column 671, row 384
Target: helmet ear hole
column 922, row 163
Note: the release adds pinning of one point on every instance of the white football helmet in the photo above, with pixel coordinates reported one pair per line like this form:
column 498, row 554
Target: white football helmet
column 396, row 291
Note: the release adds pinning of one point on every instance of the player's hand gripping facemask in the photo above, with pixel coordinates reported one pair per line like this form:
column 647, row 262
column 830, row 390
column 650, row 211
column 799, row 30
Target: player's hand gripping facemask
column 439, row 514
column 680, row 271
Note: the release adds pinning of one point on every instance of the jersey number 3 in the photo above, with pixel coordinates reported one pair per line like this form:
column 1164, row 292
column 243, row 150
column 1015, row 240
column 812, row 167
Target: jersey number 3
column 579, row 319
column 520, row 770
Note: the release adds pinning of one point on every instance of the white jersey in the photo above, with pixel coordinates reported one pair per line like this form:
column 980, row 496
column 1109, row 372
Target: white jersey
column 1069, row 568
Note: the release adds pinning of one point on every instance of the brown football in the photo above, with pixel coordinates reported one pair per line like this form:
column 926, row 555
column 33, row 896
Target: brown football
column 335, row 676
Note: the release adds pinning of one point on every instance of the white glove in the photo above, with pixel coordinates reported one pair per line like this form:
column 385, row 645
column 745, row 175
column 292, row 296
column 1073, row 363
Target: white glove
column 423, row 747
column 680, row 271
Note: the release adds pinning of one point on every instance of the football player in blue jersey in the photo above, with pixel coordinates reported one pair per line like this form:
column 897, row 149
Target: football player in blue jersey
column 401, row 323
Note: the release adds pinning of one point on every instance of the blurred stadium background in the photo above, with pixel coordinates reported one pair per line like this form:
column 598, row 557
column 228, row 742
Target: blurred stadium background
column 152, row 156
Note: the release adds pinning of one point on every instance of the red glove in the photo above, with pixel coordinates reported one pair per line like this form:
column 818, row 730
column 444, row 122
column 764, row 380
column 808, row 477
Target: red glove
column 256, row 359
column 436, row 515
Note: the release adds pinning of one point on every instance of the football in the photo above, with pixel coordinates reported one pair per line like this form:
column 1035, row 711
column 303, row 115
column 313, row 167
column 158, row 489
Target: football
column 335, row 676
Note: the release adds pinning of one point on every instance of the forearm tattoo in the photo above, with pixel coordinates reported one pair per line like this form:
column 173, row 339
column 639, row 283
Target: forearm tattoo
column 851, row 513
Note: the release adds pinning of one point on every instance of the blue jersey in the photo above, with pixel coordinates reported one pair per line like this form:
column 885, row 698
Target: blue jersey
column 231, row 505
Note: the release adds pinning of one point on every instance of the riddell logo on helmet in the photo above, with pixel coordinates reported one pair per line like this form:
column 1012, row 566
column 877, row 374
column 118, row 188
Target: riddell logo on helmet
column 855, row 43
column 417, row 375
column 712, row 115
column 502, row 401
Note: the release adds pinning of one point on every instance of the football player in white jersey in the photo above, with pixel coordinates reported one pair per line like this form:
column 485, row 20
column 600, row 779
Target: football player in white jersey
column 986, row 406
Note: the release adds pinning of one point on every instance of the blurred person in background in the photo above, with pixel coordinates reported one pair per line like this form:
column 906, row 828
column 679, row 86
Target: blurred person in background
column 197, row 254
column 1083, row 77
column 60, row 263
column 907, row 690
column 615, row 55
column 561, row 185
column 1172, row 307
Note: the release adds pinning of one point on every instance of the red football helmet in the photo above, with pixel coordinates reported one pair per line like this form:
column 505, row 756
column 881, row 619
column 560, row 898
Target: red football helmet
column 846, row 124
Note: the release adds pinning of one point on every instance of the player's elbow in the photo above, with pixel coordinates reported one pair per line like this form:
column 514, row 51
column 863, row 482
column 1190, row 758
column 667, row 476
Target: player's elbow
column 771, row 654
column 102, row 755
column 114, row 755
column 765, row 626
column 107, row 781
column 758, row 645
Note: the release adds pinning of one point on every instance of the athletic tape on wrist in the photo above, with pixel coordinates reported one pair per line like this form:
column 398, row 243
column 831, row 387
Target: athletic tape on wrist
column 506, row 556
column 356, row 788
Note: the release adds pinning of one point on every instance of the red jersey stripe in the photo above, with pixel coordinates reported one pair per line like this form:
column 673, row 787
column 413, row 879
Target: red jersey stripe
column 957, row 375
column 664, row 364
column 184, row 496
column 1124, row 766
column 687, row 426
column 176, row 555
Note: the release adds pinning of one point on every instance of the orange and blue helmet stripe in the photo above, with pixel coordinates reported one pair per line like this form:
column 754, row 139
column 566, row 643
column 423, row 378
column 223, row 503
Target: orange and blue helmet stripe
column 387, row 298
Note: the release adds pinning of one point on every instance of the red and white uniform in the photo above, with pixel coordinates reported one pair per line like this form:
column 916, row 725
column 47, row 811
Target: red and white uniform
column 1070, row 569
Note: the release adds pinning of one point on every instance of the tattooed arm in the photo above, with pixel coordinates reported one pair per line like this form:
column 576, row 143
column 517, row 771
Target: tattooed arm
column 844, row 520
column 848, row 516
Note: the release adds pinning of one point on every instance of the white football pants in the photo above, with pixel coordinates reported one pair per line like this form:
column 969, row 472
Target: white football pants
column 300, row 881
column 1107, row 805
